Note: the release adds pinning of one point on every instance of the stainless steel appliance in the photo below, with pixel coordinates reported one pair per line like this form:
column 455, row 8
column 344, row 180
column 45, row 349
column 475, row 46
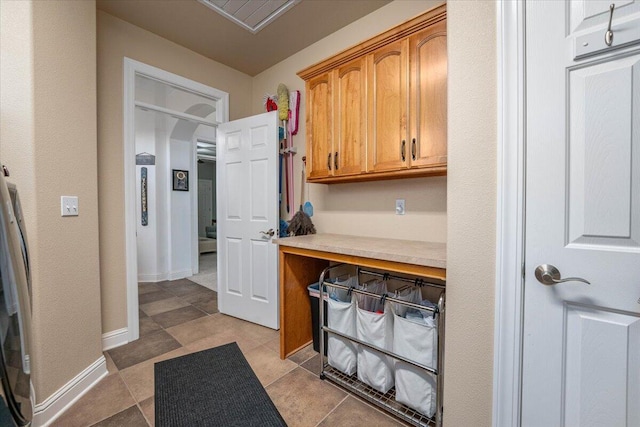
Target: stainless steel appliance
column 15, row 309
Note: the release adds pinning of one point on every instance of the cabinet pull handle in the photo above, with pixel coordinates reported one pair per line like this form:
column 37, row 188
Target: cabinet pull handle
column 329, row 161
column 335, row 161
column 413, row 149
column 402, row 151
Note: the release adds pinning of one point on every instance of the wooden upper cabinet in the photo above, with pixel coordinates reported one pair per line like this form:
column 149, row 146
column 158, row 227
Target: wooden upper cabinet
column 378, row 110
column 350, row 113
column 428, row 89
column 319, row 126
column 387, row 84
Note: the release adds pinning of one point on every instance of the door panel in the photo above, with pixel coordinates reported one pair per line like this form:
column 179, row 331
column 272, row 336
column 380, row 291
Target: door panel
column 350, row 100
column 260, row 264
column 319, row 126
column 259, row 190
column 233, row 205
column 602, row 354
column 580, row 347
column 248, row 180
column 605, row 144
column 387, row 134
column 428, row 59
column 233, row 278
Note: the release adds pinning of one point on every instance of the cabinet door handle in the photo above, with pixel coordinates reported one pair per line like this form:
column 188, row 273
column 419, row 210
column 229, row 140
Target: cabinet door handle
column 335, row 161
column 329, row 161
column 413, row 149
column 402, row 150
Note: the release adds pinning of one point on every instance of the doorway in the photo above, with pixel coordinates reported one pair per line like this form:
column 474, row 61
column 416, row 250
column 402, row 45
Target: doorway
column 164, row 116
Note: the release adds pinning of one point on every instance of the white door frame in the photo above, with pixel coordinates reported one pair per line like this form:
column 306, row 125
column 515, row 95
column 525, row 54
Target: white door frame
column 510, row 237
column 131, row 68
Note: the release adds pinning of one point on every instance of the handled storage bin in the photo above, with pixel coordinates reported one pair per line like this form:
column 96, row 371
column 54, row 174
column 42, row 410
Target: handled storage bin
column 341, row 352
column 415, row 387
column 375, row 369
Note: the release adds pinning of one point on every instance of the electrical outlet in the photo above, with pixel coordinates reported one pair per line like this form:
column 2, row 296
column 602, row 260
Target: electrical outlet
column 69, row 205
column 399, row 206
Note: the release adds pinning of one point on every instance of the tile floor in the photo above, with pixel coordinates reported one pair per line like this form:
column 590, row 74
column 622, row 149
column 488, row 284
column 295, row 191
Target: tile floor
column 181, row 317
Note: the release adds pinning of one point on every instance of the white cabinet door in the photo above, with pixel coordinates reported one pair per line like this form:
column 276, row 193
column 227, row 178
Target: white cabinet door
column 247, row 188
column 581, row 348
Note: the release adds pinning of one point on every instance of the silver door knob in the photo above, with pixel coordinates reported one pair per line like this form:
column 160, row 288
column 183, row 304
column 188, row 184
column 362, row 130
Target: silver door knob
column 269, row 233
column 548, row 274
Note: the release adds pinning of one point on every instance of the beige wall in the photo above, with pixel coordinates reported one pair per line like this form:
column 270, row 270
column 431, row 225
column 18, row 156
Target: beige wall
column 118, row 39
column 365, row 209
column 472, row 213
column 48, row 136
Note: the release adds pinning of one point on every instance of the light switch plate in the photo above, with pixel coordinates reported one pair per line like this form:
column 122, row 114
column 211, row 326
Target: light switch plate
column 399, row 206
column 69, row 205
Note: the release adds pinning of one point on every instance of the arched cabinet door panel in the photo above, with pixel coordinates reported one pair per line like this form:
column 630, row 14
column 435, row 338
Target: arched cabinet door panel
column 428, row 88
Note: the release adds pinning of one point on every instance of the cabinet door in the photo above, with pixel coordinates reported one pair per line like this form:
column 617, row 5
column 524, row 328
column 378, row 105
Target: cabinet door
column 428, row 113
column 387, row 147
column 350, row 118
column 319, row 127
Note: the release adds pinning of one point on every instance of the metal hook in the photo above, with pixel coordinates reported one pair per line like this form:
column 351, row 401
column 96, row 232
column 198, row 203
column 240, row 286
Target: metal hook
column 608, row 36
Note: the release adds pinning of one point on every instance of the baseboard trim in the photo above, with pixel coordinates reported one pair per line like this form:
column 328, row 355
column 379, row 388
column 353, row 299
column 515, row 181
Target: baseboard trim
column 153, row 277
column 115, row 339
column 180, row 274
column 55, row 405
column 171, row 275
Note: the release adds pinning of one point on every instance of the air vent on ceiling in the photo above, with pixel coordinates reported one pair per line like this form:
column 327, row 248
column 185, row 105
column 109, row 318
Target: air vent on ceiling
column 252, row 15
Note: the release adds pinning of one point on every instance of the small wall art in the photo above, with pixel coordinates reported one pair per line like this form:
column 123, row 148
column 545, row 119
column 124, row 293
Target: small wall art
column 180, row 180
column 143, row 190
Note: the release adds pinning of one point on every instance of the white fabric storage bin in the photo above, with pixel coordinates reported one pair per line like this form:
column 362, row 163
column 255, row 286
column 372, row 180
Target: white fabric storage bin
column 416, row 341
column 341, row 352
column 374, row 368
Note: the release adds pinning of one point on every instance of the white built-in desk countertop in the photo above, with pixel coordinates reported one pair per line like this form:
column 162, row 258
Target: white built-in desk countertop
column 302, row 259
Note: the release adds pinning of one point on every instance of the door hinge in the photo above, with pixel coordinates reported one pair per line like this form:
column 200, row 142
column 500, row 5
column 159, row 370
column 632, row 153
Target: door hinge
column 523, row 271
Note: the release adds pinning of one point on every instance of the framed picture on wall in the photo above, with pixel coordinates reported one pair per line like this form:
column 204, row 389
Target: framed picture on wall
column 180, row 180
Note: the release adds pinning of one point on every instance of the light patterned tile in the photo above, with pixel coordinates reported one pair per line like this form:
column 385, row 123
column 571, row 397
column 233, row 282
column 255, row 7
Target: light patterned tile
column 303, row 355
column 355, row 413
column 163, row 305
column 267, row 365
column 107, row 398
column 303, row 399
column 148, row 409
column 139, row 378
column 145, row 348
column 131, row 417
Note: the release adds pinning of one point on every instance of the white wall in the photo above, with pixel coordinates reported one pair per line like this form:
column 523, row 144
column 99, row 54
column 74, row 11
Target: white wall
column 147, row 241
column 165, row 245
column 182, row 154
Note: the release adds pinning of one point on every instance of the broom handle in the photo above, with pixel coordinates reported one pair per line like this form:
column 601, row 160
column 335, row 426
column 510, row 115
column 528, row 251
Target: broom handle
column 302, row 188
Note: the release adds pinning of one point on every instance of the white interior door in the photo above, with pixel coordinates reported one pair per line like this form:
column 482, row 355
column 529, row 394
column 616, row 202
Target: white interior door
column 205, row 205
column 581, row 348
column 247, row 188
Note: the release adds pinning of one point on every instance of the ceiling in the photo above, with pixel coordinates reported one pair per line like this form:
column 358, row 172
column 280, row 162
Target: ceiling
column 193, row 25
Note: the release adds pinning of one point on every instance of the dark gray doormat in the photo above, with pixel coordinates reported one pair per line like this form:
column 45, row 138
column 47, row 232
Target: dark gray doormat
column 214, row 387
